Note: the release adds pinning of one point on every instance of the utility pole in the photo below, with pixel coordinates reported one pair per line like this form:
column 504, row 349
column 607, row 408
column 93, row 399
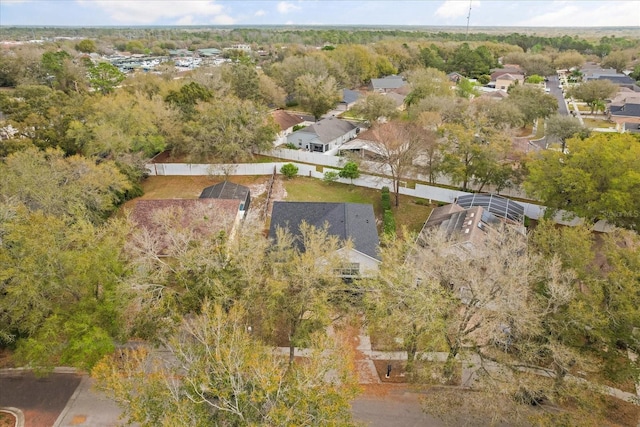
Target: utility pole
column 466, row 37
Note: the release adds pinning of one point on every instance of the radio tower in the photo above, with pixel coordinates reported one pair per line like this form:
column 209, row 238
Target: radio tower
column 466, row 37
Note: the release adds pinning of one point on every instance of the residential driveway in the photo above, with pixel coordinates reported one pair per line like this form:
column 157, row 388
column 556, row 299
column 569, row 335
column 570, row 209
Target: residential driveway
column 552, row 84
column 41, row 400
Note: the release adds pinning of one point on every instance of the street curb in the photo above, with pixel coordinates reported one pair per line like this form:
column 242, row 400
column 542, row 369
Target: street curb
column 71, row 401
column 58, row 370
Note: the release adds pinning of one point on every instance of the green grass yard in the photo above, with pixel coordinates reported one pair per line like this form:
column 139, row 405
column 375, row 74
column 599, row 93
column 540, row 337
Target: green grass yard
column 595, row 123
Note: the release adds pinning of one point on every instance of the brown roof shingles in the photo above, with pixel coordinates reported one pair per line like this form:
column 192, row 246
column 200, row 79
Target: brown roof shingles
column 286, row 120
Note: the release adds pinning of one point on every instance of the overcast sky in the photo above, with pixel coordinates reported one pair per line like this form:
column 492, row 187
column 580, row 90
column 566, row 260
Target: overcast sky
column 573, row 13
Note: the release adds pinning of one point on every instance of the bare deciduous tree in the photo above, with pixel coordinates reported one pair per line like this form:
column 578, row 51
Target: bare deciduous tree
column 397, row 144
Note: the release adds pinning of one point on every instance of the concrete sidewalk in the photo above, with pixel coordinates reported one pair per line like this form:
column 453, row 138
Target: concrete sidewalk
column 89, row 407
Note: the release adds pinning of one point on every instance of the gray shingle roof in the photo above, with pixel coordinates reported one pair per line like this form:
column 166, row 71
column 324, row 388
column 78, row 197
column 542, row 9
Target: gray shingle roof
column 350, row 96
column 389, row 82
column 345, row 220
column 627, row 110
column 329, row 129
column 619, row 79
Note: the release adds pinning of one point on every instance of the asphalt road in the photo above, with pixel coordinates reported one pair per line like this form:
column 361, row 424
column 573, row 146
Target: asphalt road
column 40, row 399
column 552, row 84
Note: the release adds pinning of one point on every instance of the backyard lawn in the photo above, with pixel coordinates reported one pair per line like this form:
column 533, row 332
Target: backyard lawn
column 409, row 213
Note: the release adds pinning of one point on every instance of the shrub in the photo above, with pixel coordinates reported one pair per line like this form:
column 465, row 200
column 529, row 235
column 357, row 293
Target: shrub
column 330, row 176
column 350, row 171
column 388, row 222
column 290, row 146
column 386, row 199
column 289, row 170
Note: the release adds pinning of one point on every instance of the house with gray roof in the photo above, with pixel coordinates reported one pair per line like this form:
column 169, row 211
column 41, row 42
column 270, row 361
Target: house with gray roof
column 353, row 222
column 324, row 136
column 387, row 83
column 625, row 115
column 227, row 190
column 349, row 98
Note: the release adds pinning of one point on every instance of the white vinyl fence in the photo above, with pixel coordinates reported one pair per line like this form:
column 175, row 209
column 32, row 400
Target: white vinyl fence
column 428, row 192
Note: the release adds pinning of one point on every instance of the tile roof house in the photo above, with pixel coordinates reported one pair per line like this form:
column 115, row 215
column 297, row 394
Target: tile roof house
column 200, row 216
column 324, row 136
column 230, row 191
column 347, row 221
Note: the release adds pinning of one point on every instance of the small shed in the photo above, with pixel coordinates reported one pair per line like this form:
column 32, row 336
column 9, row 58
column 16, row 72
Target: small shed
column 229, row 191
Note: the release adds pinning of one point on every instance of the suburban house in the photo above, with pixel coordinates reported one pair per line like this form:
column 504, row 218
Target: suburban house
column 503, row 81
column 324, row 136
column 287, row 122
column 497, row 94
column 594, row 72
column 474, row 218
column 500, row 80
column 198, row 216
column 229, row 191
column 366, row 145
column 398, row 98
column 625, row 115
column 347, row 221
column 388, row 83
column 349, row 99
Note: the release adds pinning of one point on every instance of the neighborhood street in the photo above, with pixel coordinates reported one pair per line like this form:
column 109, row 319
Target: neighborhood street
column 554, row 90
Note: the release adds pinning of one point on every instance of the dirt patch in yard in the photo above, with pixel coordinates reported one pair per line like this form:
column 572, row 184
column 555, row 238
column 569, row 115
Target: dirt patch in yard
column 391, row 371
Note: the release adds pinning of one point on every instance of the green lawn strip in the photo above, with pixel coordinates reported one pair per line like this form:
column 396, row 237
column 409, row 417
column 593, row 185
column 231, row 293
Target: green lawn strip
column 595, row 123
